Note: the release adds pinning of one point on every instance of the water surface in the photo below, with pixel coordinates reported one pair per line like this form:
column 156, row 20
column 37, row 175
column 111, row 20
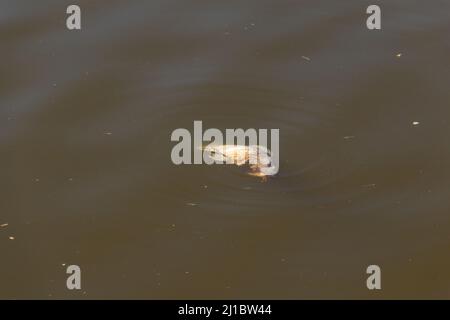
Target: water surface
column 87, row 179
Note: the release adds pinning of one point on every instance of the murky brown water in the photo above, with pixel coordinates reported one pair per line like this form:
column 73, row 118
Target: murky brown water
column 87, row 179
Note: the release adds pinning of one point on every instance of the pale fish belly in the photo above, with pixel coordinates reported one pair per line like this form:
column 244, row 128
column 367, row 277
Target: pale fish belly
column 257, row 157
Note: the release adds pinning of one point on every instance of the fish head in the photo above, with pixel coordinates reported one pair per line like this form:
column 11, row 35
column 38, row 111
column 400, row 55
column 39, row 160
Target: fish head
column 215, row 152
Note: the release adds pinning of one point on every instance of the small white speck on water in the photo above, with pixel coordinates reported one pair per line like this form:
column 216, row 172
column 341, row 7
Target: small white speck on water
column 11, row 238
column 70, row 179
column 371, row 185
column 63, row 264
column 306, row 58
column 348, row 137
column 205, row 186
column 191, row 204
column 4, row 225
column 415, row 123
column 186, row 272
column 108, row 133
column 36, row 180
column 399, row 55
column 54, row 84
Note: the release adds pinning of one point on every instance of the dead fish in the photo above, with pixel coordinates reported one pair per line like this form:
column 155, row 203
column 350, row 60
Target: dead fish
column 257, row 157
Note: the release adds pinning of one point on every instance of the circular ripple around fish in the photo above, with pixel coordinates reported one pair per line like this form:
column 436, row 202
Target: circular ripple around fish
column 307, row 142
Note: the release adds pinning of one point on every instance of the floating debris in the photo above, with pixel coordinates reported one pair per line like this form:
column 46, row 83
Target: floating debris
column 11, row 238
column 399, row 55
column 348, row 137
column 248, row 27
column 108, row 133
column 4, row 225
column 371, row 185
column 416, row 123
column 191, row 204
column 306, row 58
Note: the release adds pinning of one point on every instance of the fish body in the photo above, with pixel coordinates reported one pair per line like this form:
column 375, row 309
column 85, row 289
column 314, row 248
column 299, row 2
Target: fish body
column 257, row 157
